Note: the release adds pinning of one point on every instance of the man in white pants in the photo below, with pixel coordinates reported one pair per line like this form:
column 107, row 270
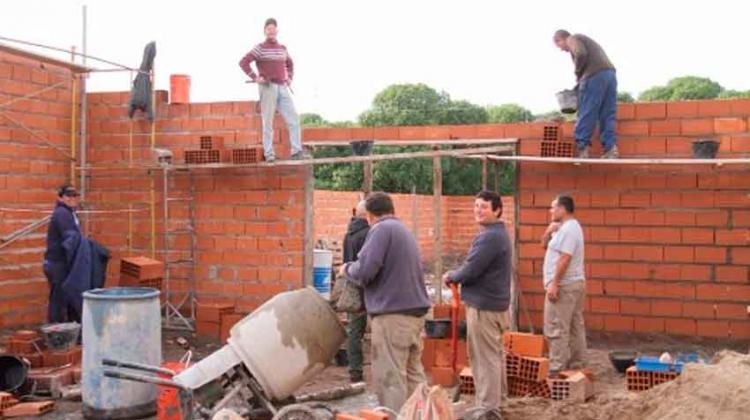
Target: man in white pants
column 275, row 72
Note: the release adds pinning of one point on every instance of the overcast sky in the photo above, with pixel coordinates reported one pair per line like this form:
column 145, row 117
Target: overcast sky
column 487, row 52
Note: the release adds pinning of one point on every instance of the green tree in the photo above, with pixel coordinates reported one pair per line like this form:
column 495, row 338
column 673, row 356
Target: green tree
column 509, row 113
column 625, row 97
column 731, row 93
column 683, row 88
column 409, row 105
column 312, row 120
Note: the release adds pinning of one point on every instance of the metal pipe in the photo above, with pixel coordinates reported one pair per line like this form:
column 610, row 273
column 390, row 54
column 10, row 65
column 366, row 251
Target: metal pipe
column 73, row 130
column 84, row 122
column 137, row 366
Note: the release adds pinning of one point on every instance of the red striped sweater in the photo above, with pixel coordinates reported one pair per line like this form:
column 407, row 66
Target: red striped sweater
column 273, row 62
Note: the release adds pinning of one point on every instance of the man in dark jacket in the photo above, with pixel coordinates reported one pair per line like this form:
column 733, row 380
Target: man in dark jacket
column 353, row 241
column 485, row 289
column 597, row 92
column 63, row 225
column 389, row 268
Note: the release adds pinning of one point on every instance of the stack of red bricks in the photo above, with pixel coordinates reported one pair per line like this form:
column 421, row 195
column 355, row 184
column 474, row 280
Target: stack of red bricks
column 141, row 272
column 527, row 372
column 216, row 319
column 643, row 380
column 437, row 355
column 51, row 369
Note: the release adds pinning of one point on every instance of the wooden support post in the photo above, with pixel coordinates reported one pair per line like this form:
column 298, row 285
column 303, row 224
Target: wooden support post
column 309, row 239
column 497, row 176
column 414, row 211
column 484, row 172
column 367, row 184
column 437, row 195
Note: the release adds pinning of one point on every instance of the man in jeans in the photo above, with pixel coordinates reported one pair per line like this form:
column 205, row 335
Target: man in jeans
column 355, row 237
column 485, row 289
column 390, row 270
column 564, row 281
column 597, row 92
column 275, row 72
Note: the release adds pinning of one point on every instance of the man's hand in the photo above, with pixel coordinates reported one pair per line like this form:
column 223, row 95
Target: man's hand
column 342, row 270
column 261, row 80
column 552, row 228
column 447, row 279
column 553, row 292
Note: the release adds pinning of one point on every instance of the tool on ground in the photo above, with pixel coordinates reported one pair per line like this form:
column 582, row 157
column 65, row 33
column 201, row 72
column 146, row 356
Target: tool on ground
column 298, row 327
column 455, row 304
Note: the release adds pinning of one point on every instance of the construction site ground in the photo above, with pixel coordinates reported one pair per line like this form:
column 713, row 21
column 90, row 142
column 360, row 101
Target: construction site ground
column 609, row 386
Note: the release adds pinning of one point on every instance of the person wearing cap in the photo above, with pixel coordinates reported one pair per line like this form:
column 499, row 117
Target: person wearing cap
column 63, row 224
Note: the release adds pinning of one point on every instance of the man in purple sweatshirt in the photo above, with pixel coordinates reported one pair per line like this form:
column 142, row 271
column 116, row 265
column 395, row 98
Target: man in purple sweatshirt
column 275, row 72
column 390, row 270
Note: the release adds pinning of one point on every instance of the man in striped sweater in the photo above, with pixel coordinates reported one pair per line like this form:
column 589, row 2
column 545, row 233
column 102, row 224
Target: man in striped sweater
column 275, row 72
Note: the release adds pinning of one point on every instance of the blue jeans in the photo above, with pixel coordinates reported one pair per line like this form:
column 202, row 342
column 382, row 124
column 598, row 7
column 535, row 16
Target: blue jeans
column 597, row 102
column 275, row 97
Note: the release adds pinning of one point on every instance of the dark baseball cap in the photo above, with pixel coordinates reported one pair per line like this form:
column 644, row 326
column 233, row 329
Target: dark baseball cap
column 67, row 191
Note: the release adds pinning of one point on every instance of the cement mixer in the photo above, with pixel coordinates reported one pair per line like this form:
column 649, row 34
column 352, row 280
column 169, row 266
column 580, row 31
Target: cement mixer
column 269, row 354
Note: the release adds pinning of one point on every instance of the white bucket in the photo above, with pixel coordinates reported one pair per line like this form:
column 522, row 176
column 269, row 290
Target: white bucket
column 322, row 263
column 568, row 101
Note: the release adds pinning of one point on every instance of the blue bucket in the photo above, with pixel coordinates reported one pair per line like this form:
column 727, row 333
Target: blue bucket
column 322, row 264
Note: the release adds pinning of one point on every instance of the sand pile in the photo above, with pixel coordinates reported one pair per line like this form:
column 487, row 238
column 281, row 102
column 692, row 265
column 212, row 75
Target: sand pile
column 718, row 391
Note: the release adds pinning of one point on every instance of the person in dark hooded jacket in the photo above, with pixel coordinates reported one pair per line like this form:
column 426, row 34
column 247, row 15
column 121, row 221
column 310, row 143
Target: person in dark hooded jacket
column 63, row 225
column 353, row 241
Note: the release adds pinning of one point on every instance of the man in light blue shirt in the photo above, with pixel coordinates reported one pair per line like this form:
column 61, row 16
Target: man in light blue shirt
column 564, row 282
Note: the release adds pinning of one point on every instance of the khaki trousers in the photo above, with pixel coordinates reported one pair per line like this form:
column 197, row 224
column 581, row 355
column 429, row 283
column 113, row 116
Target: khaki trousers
column 396, row 358
column 485, row 346
column 564, row 327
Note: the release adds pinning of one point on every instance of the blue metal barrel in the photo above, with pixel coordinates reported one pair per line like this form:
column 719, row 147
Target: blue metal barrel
column 123, row 324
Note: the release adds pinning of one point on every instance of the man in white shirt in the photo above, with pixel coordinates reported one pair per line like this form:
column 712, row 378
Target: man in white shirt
column 564, row 282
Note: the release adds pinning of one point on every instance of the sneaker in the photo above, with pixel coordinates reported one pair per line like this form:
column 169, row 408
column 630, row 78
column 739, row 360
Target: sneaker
column 270, row 159
column 583, row 153
column 612, row 153
column 301, row 155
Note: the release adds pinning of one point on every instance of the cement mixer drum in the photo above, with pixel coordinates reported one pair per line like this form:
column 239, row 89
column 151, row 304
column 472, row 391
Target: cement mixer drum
column 287, row 341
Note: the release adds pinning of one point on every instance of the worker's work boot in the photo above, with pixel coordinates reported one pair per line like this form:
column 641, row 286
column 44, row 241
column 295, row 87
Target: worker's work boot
column 612, row 153
column 583, row 153
column 270, row 159
column 301, row 155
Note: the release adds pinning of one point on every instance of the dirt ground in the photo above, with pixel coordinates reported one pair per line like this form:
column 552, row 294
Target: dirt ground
column 609, row 386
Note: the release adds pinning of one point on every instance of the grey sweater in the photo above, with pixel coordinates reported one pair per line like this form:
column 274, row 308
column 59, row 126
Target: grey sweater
column 390, row 270
column 485, row 274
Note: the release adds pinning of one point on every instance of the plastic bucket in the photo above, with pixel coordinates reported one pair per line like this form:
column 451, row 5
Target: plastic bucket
column 568, row 101
column 322, row 264
column 168, row 400
column 705, row 148
column 179, row 88
column 13, row 373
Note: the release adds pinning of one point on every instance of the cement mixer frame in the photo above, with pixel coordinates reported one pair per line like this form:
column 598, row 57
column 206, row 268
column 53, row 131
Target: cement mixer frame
column 239, row 383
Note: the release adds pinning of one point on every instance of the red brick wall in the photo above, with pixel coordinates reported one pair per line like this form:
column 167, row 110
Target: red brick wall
column 666, row 246
column 249, row 222
column 30, row 172
column 333, row 209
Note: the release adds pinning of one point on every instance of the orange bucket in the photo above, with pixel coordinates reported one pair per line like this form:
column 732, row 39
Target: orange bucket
column 179, row 88
column 168, row 400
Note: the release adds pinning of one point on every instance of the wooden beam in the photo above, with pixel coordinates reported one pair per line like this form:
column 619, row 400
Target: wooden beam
column 437, row 201
column 309, row 238
column 484, row 173
column 425, row 142
column 367, row 183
